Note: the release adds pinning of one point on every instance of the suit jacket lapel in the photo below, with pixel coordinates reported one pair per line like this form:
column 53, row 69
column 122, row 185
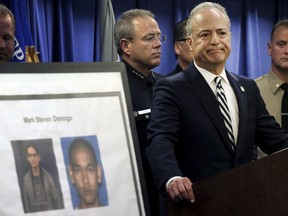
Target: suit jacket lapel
column 207, row 98
column 241, row 97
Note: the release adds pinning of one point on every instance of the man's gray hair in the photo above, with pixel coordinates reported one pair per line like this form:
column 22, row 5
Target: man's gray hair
column 206, row 5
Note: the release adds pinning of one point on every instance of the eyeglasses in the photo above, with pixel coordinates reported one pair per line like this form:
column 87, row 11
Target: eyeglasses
column 152, row 38
column 34, row 155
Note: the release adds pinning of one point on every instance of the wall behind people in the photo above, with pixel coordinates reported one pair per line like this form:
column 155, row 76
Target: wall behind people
column 69, row 30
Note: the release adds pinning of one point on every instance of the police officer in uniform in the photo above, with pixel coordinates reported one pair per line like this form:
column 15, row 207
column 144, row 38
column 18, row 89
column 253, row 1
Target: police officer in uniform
column 138, row 40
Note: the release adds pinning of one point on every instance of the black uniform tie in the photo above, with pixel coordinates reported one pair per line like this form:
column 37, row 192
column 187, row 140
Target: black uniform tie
column 284, row 106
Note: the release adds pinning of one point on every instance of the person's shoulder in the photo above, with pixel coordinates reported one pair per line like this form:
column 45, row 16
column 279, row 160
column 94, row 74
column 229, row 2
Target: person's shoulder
column 176, row 79
column 176, row 70
column 241, row 77
column 175, row 76
column 244, row 80
column 171, row 73
column 27, row 174
column 261, row 78
column 157, row 75
column 45, row 172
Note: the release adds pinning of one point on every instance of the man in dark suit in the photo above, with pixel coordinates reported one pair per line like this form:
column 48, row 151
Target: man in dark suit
column 182, row 46
column 189, row 138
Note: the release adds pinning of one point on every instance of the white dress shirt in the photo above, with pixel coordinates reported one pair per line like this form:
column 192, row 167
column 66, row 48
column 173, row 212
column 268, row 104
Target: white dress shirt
column 230, row 95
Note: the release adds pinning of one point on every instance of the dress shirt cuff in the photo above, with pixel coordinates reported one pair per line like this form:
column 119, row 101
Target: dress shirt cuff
column 170, row 180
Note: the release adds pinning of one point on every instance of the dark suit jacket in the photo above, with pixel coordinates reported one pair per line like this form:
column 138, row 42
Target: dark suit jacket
column 187, row 135
column 176, row 70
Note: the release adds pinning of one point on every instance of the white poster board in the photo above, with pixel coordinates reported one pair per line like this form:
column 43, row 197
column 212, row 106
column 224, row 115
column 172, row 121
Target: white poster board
column 48, row 106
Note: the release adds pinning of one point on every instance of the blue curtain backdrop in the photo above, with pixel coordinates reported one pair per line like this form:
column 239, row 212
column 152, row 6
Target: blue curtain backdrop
column 251, row 23
column 70, row 30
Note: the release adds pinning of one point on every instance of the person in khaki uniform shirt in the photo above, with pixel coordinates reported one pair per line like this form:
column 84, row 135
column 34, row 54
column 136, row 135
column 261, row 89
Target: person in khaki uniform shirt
column 270, row 83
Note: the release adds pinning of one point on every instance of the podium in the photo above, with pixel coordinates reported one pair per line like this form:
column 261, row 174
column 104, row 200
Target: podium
column 259, row 188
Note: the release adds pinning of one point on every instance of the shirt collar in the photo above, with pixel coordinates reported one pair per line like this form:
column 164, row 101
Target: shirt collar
column 209, row 76
column 274, row 81
column 132, row 70
column 143, row 80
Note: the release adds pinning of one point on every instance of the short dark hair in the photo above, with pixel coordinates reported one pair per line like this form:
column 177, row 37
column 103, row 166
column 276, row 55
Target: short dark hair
column 5, row 11
column 181, row 30
column 81, row 143
column 283, row 22
column 34, row 147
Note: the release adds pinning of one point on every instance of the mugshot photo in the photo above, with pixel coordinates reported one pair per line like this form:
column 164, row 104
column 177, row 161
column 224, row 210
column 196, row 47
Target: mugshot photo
column 85, row 172
column 37, row 175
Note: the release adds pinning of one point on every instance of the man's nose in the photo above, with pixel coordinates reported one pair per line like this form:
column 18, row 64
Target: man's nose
column 84, row 177
column 286, row 48
column 214, row 38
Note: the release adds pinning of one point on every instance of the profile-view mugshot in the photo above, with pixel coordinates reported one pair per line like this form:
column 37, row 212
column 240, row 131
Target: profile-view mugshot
column 40, row 191
column 85, row 173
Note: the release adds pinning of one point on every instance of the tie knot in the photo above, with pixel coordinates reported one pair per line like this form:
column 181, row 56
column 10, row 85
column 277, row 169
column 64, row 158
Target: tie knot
column 284, row 86
column 217, row 80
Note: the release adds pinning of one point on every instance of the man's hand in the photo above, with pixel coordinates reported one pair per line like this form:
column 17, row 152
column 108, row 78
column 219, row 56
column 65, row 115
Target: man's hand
column 181, row 189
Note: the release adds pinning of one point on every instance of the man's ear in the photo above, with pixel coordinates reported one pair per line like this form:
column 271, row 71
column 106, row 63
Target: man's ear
column 70, row 171
column 269, row 48
column 176, row 48
column 99, row 174
column 124, row 43
column 190, row 43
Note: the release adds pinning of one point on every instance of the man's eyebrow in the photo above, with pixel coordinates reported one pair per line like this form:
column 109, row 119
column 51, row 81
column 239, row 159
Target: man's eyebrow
column 92, row 164
column 282, row 41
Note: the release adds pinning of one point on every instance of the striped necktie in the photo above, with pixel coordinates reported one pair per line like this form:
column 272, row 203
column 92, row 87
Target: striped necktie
column 222, row 101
